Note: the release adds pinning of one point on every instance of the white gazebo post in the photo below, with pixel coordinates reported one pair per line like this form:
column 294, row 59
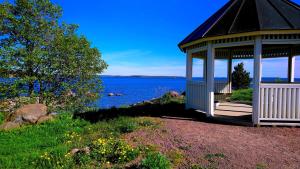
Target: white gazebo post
column 189, row 66
column 229, row 76
column 204, row 68
column 210, row 79
column 257, row 79
column 291, row 72
column 189, row 75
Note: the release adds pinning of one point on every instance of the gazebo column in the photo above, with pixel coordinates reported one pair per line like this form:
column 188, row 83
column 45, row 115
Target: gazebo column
column 210, row 79
column 204, row 68
column 189, row 75
column 257, row 79
column 291, row 72
column 229, row 76
column 189, row 66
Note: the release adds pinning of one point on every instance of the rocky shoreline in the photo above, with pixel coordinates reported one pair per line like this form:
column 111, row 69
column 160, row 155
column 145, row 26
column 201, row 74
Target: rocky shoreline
column 169, row 95
column 38, row 113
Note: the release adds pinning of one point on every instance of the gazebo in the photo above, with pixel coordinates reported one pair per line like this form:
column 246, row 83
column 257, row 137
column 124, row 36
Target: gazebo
column 244, row 29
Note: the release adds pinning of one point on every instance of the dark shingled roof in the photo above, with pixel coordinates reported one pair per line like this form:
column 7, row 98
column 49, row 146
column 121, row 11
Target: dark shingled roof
column 239, row 16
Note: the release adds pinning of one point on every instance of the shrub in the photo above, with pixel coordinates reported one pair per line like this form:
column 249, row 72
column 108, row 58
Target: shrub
column 244, row 95
column 167, row 99
column 155, row 160
column 113, row 150
column 211, row 157
column 146, row 123
column 175, row 156
column 81, row 159
column 261, row 166
column 52, row 160
column 126, row 125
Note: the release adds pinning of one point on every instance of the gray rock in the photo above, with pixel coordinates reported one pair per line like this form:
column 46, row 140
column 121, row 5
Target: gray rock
column 85, row 150
column 174, row 94
column 18, row 120
column 74, row 151
column 9, row 125
column 29, row 113
column 53, row 113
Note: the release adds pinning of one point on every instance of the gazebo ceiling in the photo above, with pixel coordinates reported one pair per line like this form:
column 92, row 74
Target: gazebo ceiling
column 241, row 16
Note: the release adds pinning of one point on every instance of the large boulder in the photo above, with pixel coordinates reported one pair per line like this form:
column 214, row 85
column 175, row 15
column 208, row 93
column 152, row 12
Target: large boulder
column 9, row 125
column 30, row 113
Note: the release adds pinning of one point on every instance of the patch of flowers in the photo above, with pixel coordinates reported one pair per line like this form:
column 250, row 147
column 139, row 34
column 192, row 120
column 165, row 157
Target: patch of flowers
column 72, row 138
column 113, row 150
column 52, row 160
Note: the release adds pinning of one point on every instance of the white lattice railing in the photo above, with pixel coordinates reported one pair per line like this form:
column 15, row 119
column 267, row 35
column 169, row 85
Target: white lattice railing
column 196, row 97
column 222, row 87
column 280, row 102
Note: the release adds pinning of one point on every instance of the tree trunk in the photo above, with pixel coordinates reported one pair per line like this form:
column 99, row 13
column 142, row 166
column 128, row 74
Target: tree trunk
column 31, row 88
column 41, row 91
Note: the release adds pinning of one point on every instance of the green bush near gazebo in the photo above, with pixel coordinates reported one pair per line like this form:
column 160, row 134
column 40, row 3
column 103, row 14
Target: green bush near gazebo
column 242, row 95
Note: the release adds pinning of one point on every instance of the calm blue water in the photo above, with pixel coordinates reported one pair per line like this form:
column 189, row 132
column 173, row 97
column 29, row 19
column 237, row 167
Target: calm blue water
column 137, row 89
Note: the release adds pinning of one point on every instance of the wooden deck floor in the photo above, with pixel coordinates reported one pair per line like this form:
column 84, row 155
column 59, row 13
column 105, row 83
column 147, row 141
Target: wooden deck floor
column 234, row 113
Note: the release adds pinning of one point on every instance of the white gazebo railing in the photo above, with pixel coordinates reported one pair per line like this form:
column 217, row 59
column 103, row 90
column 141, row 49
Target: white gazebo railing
column 223, row 87
column 279, row 102
column 196, row 95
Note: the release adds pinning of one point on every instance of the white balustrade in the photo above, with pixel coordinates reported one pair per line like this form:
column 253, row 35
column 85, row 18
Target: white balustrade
column 196, row 95
column 222, row 87
column 279, row 102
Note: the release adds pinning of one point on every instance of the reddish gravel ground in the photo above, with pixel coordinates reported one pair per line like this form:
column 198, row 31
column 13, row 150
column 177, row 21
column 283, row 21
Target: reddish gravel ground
column 223, row 146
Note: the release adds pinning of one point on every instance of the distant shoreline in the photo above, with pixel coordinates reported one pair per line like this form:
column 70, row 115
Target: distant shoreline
column 149, row 76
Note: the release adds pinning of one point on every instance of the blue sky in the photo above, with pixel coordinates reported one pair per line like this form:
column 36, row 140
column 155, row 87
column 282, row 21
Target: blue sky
column 140, row 37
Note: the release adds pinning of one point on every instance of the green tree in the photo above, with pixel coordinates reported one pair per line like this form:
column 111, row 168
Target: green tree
column 36, row 49
column 240, row 77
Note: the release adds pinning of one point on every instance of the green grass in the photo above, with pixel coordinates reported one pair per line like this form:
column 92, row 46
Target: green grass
column 242, row 95
column 19, row 148
column 261, row 166
column 1, row 117
column 46, row 145
column 155, row 160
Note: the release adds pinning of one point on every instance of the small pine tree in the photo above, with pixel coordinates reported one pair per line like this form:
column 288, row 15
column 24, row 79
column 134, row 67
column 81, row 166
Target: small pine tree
column 240, row 77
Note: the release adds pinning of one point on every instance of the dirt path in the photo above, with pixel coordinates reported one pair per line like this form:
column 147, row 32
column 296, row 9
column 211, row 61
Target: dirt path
column 237, row 147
